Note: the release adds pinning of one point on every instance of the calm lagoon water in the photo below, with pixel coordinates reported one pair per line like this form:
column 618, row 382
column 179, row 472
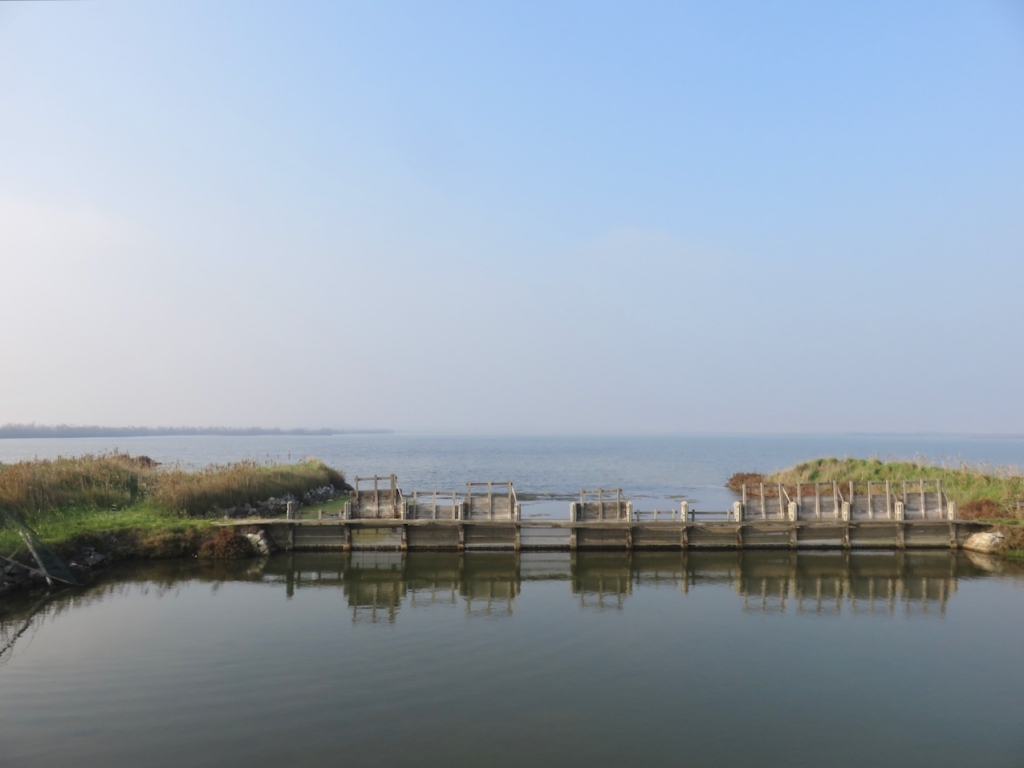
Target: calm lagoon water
column 701, row 659
column 546, row 659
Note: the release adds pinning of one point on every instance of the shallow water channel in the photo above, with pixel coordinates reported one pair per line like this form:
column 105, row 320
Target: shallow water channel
column 547, row 659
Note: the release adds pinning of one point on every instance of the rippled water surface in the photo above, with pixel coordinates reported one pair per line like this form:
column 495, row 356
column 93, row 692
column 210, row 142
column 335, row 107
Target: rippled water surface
column 600, row 659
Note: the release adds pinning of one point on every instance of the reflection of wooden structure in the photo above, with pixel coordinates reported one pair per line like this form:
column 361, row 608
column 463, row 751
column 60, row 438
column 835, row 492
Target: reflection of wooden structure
column 377, row 585
column 828, row 594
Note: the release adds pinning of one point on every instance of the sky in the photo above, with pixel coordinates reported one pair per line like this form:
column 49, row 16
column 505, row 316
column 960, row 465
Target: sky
column 558, row 217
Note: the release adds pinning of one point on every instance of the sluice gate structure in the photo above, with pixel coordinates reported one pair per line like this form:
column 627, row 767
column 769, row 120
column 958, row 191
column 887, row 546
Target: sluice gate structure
column 488, row 516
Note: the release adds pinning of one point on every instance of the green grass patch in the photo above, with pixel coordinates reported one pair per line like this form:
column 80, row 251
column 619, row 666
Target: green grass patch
column 329, row 508
column 71, row 499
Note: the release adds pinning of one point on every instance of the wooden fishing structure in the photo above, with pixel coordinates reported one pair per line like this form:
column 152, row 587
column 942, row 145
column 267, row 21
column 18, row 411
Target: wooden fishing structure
column 488, row 516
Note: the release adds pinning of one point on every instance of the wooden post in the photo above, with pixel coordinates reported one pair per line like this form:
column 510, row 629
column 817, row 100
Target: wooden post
column 511, row 505
column 938, row 490
column 764, row 512
column 394, row 496
column 744, row 495
column 799, row 499
column 782, row 509
column 376, row 498
column 923, row 510
column 835, row 499
column 490, row 500
column 851, row 499
column 817, row 500
column 600, row 504
column 888, row 500
column 455, row 510
column 871, row 511
column 618, row 504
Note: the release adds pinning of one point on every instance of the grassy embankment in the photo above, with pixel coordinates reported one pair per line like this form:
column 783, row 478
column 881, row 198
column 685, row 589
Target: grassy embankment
column 131, row 507
column 990, row 494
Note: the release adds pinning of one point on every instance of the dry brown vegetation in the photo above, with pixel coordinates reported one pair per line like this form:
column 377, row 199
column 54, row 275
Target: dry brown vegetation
column 33, row 489
column 106, row 481
column 980, row 509
column 738, row 480
column 218, row 487
column 225, row 544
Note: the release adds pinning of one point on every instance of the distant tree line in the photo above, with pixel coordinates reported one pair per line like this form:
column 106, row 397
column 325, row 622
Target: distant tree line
column 65, row 430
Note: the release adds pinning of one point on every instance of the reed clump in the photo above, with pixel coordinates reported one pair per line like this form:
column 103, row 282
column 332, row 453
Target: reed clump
column 981, row 492
column 107, row 481
column 196, row 493
column 40, row 489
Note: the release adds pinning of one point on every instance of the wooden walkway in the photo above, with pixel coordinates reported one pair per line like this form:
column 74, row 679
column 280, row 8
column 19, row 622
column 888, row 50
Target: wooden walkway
column 460, row 535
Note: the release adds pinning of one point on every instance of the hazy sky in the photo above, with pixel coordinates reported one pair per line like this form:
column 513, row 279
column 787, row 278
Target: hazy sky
column 531, row 217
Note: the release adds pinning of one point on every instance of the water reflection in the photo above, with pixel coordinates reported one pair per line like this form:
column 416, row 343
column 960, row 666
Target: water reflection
column 377, row 586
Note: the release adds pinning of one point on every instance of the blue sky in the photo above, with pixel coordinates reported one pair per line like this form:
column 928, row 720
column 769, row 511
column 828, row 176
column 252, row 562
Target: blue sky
column 557, row 217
